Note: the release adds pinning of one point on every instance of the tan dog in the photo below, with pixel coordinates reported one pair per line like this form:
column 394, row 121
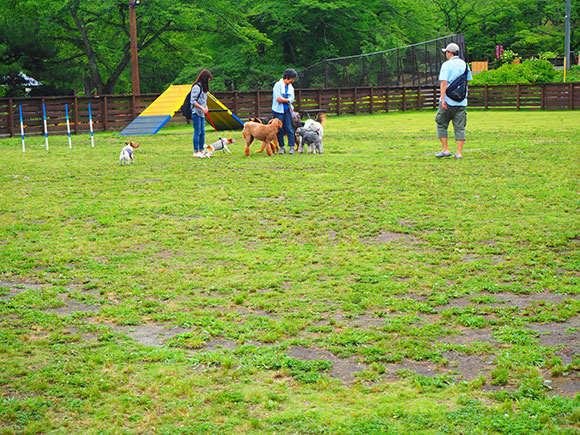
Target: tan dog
column 265, row 133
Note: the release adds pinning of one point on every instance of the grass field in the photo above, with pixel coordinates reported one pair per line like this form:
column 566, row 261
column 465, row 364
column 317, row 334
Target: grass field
column 372, row 289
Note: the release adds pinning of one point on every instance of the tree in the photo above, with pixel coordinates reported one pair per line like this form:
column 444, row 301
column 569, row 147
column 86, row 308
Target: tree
column 90, row 39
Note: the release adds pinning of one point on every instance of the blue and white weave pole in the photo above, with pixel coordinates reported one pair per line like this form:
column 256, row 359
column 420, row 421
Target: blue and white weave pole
column 22, row 130
column 45, row 127
column 68, row 127
column 91, row 125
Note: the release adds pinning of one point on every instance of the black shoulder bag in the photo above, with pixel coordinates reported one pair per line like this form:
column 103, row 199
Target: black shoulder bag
column 457, row 89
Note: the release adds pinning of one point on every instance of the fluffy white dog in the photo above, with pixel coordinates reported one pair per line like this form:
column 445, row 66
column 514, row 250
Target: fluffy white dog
column 126, row 156
column 314, row 127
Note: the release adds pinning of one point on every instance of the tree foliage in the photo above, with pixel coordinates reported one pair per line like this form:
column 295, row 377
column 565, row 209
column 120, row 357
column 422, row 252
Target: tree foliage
column 83, row 45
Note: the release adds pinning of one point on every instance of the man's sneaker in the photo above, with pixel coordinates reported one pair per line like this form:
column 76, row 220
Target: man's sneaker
column 199, row 154
column 291, row 150
column 282, row 151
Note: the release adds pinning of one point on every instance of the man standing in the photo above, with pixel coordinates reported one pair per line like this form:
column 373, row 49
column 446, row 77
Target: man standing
column 449, row 109
column 282, row 99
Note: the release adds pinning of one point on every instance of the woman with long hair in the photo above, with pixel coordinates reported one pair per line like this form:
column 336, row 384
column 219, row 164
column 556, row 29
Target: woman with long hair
column 198, row 101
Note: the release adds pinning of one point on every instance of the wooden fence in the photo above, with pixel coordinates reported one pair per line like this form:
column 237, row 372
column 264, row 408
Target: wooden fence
column 114, row 112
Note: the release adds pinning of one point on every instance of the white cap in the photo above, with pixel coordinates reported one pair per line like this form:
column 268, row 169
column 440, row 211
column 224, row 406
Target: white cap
column 453, row 48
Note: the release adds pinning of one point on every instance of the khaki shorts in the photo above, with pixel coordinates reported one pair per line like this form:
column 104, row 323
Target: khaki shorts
column 457, row 114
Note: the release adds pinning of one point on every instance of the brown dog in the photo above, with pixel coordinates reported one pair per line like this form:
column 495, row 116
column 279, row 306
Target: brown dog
column 265, row 133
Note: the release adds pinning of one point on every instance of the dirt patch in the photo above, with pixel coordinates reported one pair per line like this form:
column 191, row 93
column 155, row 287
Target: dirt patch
column 509, row 300
column 220, row 344
column 145, row 180
column 389, row 236
column 15, row 288
column 344, row 369
column 73, row 307
column 150, row 335
column 471, row 258
column 565, row 334
column 568, row 387
column 461, row 367
column 468, row 336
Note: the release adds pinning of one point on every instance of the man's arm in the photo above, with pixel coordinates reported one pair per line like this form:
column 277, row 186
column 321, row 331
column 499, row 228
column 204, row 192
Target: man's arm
column 443, row 88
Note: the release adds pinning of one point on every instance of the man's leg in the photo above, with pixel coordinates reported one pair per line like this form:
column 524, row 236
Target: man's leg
column 459, row 124
column 460, row 148
column 442, row 119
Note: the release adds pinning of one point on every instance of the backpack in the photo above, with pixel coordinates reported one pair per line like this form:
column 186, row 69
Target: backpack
column 457, row 89
column 186, row 106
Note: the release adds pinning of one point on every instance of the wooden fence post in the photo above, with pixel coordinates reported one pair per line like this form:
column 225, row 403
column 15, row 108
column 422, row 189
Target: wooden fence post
column 419, row 105
column 319, row 99
column 435, row 96
column 387, row 100
column 235, row 101
column 355, row 96
column 133, row 107
column 570, row 96
column 76, row 114
column 105, row 115
column 10, row 117
column 543, row 97
column 299, row 100
column 372, row 97
column 258, row 103
column 404, row 102
column 338, row 101
column 486, row 97
column 518, row 96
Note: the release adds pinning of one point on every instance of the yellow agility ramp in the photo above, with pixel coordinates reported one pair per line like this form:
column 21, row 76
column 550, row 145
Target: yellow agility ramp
column 160, row 111
column 221, row 116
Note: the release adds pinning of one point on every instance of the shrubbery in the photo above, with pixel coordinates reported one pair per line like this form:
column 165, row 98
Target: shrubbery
column 529, row 71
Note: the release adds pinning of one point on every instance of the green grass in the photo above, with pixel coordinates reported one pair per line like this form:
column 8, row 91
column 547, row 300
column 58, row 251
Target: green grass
column 266, row 276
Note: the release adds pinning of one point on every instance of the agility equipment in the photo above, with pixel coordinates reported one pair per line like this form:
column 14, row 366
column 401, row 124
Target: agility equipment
column 22, row 130
column 91, row 125
column 45, row 127
column 160, row 111
column 68, row 127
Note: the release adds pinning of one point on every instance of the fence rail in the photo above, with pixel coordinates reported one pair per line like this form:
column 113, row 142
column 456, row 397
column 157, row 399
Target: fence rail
column 114, row 112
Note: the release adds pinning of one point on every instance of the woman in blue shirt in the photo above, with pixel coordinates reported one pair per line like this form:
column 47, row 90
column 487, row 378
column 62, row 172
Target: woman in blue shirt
column 283, row 97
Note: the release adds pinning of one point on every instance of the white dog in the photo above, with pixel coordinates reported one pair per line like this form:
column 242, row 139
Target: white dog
column 126, row 156
column 314, row 126
column 221, row 144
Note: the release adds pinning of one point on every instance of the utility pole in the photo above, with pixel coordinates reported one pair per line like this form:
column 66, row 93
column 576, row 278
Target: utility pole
column 567, row 32
column 134, row 57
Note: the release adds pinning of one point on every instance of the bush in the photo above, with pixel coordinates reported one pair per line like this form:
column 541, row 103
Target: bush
column 529, row 71
column 572, row 75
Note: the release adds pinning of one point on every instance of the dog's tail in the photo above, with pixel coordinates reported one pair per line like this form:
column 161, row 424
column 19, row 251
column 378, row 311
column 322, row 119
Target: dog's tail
column 321, row 117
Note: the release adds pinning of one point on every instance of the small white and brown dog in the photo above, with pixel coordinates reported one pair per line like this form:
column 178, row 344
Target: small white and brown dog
column 126, row 156
column 221, row 144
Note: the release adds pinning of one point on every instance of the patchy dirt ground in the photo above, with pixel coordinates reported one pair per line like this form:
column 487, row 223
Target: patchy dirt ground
column 563, row 336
